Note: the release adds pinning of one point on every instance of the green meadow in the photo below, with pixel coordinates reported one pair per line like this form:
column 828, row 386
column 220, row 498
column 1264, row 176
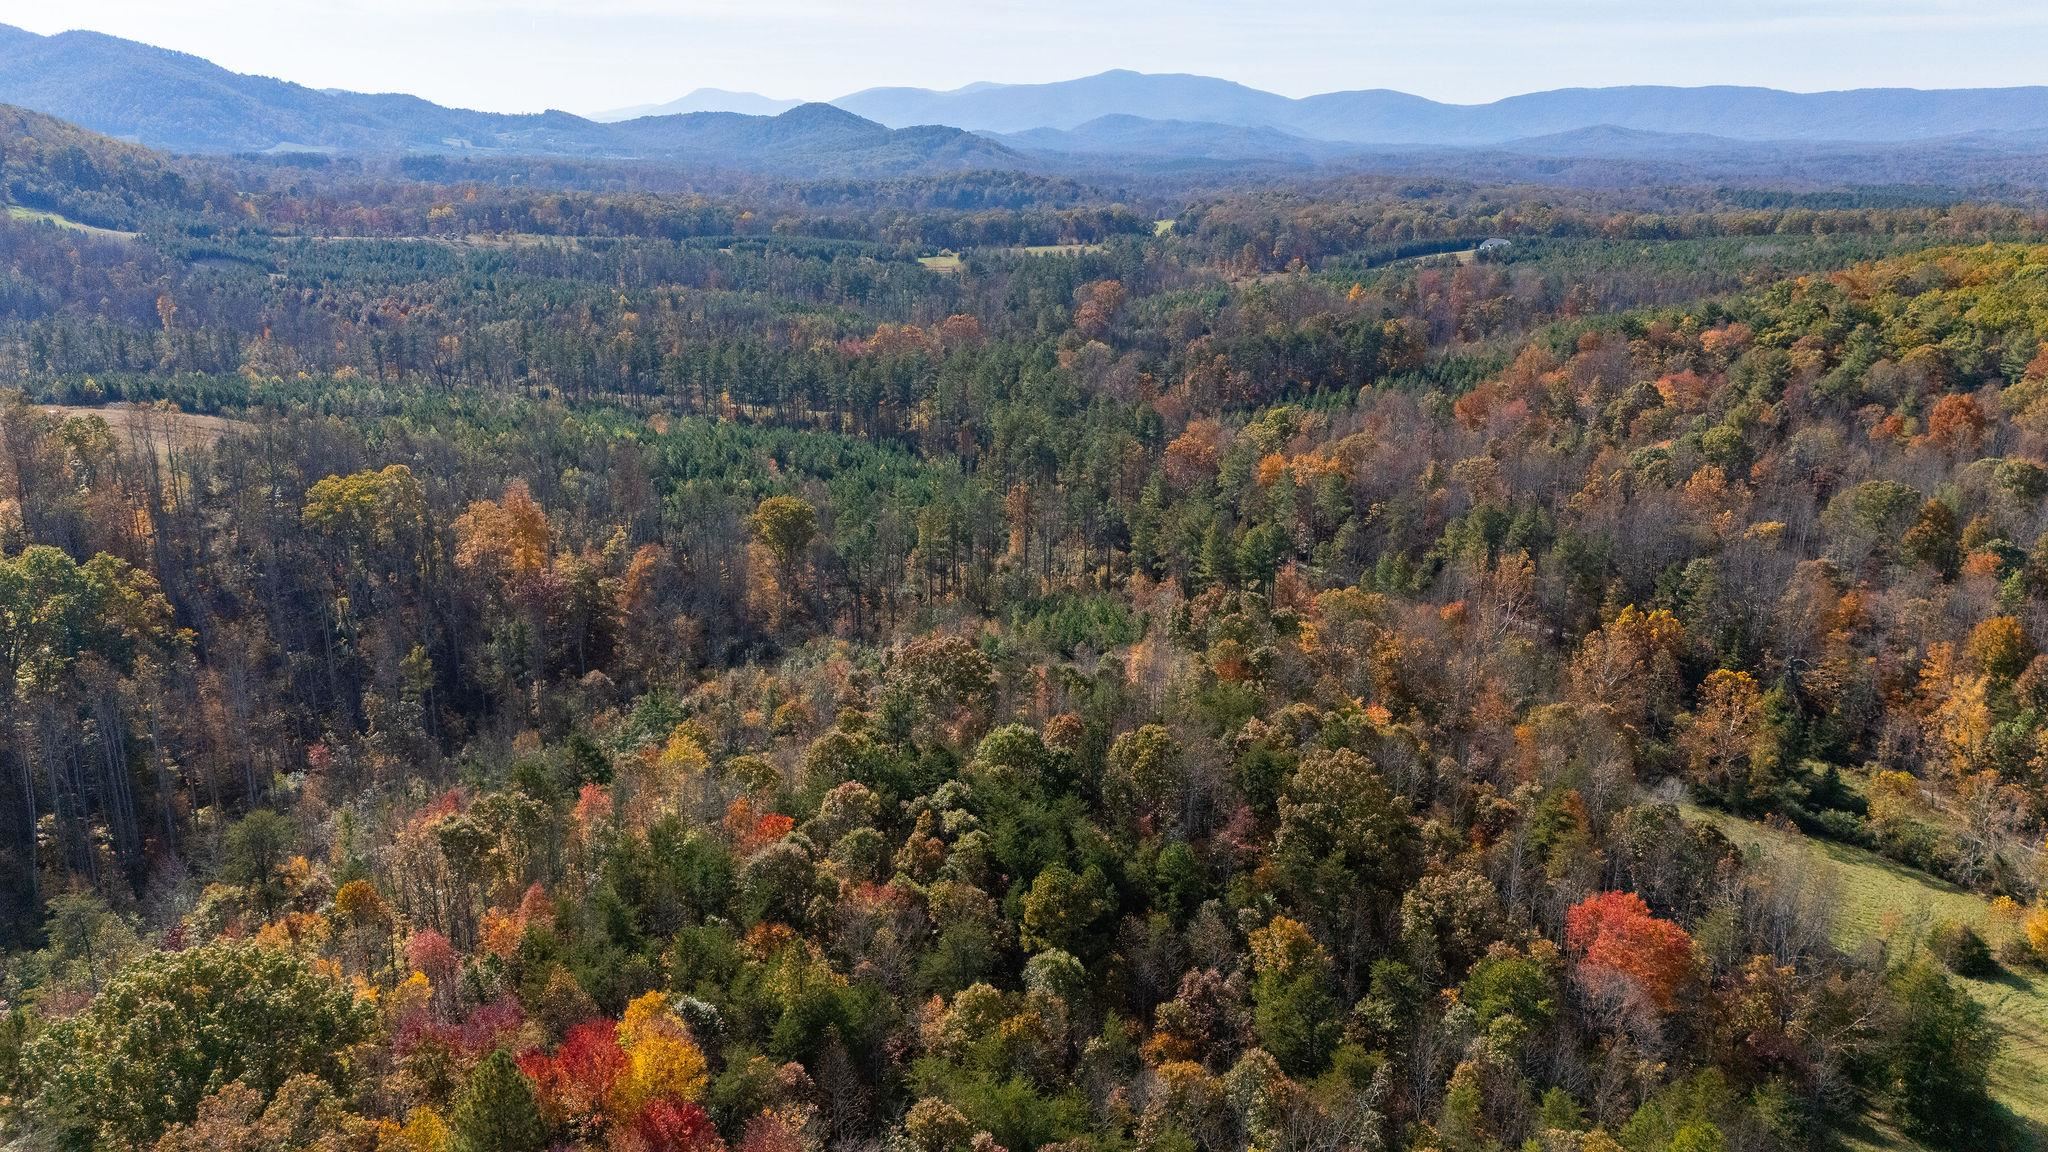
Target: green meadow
column 1879, row 901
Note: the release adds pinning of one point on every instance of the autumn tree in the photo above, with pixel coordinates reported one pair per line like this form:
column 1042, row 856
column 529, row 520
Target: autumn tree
column 575, row 1085
column 174, row 1025
column 378, row 519
column 304, row 1116
column 507, row 539
column 2000, row 648
column 1343, row 847
column 662, row 1061
column 542, row 605
column 944, row 682
column 1147, row 776
column 1932, row 540
column 1956, row 424
column 1616, row 938
column 1294, row 1011
column 786, row 525
column 1631, row 665
column 676, row 1126
column 1731, row 750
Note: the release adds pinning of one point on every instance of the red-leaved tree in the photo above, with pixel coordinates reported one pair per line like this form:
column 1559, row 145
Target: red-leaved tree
column 676, row 1126
column 1614, row 934
column 575, row 1085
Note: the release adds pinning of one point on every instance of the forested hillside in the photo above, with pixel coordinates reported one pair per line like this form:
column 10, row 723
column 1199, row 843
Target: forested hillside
column 983, row 663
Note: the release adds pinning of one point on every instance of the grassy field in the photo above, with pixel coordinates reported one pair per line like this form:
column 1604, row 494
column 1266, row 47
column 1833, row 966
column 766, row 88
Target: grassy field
column 144, row 427
column 1462, row 256
column 31, row 215
column 1878, row 900
column 943, row 262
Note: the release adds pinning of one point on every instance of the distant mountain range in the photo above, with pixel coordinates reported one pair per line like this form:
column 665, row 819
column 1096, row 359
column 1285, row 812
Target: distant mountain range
column 1124, row 135
column 178, row 102
column 1383, row 117
column 703, row 100
column 182, row 103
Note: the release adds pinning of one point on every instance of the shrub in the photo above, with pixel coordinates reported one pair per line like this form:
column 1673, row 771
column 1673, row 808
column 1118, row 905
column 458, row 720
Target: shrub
column 1958, row 946
column 1938, row 1050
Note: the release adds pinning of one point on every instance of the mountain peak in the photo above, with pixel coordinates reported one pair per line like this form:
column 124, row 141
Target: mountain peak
column 702, row 100
column 818, row 112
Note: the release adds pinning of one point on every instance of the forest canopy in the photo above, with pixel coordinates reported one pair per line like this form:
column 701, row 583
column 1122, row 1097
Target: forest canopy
column 987, row 663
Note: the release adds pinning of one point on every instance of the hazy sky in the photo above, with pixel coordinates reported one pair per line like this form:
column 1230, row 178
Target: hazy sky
column 589, row 55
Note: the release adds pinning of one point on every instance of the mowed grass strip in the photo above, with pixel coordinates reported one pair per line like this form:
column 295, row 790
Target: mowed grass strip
column 1054, row 249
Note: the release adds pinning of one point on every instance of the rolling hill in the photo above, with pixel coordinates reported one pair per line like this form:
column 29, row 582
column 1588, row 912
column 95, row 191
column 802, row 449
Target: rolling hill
column 59, row 173
column 810, row 139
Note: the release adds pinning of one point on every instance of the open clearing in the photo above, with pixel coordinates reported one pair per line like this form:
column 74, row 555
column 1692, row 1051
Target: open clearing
column 33, row 216
column 950, row 261
column 1462, row 256
column 466, row 240
column 1878, row 900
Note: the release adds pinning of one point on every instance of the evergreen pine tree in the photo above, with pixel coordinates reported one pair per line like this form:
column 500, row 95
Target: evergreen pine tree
column 496, row 1111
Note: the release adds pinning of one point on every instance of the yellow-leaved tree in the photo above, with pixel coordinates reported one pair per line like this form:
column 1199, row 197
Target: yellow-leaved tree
column 1728, row 746
column 504, row 539
column 662, row 1062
